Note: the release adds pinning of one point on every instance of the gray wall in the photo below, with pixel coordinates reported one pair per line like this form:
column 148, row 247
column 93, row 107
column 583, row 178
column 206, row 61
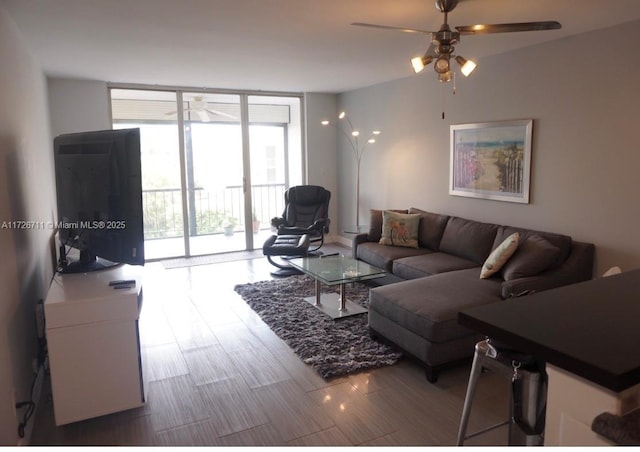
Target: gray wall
column 26, row 193
column 321, row 150
column 582, row 93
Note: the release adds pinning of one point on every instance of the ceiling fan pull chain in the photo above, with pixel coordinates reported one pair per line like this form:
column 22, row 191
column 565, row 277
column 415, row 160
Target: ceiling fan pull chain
column 443, row 99
column 454, row 83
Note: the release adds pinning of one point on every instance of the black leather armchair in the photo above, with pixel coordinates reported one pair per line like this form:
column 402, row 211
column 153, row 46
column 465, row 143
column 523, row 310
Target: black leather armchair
column 306, row 212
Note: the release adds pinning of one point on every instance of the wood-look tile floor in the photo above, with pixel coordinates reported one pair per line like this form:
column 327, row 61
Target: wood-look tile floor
column 218, row 376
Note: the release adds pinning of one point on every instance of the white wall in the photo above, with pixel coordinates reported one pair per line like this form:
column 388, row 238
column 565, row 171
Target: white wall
column 78, row 105
column 582, row 93
column 26, row 193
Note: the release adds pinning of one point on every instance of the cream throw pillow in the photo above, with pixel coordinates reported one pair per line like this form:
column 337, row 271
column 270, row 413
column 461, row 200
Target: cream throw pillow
column 400, row 229
column 500, row 255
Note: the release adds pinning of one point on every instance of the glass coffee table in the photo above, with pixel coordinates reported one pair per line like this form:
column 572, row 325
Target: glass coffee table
column 332, row 270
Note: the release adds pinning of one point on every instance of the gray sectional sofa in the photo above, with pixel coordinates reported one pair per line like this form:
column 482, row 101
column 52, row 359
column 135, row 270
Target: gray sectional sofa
column 441, row 277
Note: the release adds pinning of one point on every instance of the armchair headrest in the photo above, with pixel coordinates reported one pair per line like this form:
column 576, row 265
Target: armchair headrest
column 307, row 195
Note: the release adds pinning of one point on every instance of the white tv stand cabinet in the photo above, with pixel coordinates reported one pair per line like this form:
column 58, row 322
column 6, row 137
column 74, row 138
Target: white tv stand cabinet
column 93, row 340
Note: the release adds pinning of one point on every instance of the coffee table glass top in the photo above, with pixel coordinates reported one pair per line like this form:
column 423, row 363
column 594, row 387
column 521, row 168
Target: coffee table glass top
column 337, row 269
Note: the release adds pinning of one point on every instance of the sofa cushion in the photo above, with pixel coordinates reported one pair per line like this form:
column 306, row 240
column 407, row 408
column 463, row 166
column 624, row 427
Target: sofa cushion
column 500, row 256
column 563, row 242
column 429, row 306
column 382, row 256
column 469, row 239
column 399, row 229
column 431, row 228
column 375, row 223
column 533, row 256
column 429, row 264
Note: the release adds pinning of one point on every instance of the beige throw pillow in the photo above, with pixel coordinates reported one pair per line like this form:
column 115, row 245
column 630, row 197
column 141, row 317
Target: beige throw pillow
column 375, row 223
column 500, row 255
column 400, row 229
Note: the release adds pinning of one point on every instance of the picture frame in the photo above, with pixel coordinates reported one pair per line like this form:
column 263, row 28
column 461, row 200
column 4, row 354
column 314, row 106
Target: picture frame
column 491, row 160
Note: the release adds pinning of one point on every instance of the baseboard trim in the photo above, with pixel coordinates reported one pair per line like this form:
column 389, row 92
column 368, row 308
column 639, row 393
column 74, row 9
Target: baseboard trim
column 344, row 240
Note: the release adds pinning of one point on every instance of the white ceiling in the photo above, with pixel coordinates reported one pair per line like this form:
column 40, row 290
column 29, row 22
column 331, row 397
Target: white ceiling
column 276, row 45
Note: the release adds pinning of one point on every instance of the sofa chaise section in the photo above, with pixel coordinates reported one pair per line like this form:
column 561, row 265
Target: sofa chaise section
column 421, row 315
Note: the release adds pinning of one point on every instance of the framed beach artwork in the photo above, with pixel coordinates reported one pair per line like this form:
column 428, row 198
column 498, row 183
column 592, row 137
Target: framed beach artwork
column 491, row 160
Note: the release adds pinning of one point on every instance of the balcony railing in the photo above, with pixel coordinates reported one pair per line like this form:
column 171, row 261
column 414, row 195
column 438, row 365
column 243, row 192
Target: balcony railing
column 210, row 212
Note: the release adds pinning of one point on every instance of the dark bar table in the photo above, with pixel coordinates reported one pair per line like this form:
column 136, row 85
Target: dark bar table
column 589, row 336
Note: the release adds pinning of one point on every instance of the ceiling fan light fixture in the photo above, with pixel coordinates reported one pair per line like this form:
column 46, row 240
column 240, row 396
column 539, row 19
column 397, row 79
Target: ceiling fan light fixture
column 466, row 66
column 441, row 65
column 443, row 41
column 445, row 77
column 419, row 63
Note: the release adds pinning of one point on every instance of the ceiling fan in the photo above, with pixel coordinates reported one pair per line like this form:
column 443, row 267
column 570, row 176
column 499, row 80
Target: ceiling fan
column 199, row 106
column 443, row 41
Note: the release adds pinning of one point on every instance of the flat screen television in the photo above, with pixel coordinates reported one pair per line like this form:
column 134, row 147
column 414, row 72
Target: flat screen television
column 99, row 198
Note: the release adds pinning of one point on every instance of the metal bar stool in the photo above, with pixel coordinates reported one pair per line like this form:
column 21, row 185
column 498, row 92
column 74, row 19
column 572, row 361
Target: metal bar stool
column 524, row 398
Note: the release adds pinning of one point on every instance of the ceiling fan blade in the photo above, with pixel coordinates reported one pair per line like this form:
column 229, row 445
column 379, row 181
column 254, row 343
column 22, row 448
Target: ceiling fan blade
column 221, row 113
column 204, row 116
column 386, row 27
column 508, row 28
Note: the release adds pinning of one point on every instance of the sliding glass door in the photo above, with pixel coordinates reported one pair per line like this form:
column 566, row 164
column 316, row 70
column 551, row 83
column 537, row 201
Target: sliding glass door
column 215, row 166
column 215, row 172
column 274, row 129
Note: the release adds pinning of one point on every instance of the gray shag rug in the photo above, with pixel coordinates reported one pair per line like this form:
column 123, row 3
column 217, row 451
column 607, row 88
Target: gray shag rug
column 332, row 347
